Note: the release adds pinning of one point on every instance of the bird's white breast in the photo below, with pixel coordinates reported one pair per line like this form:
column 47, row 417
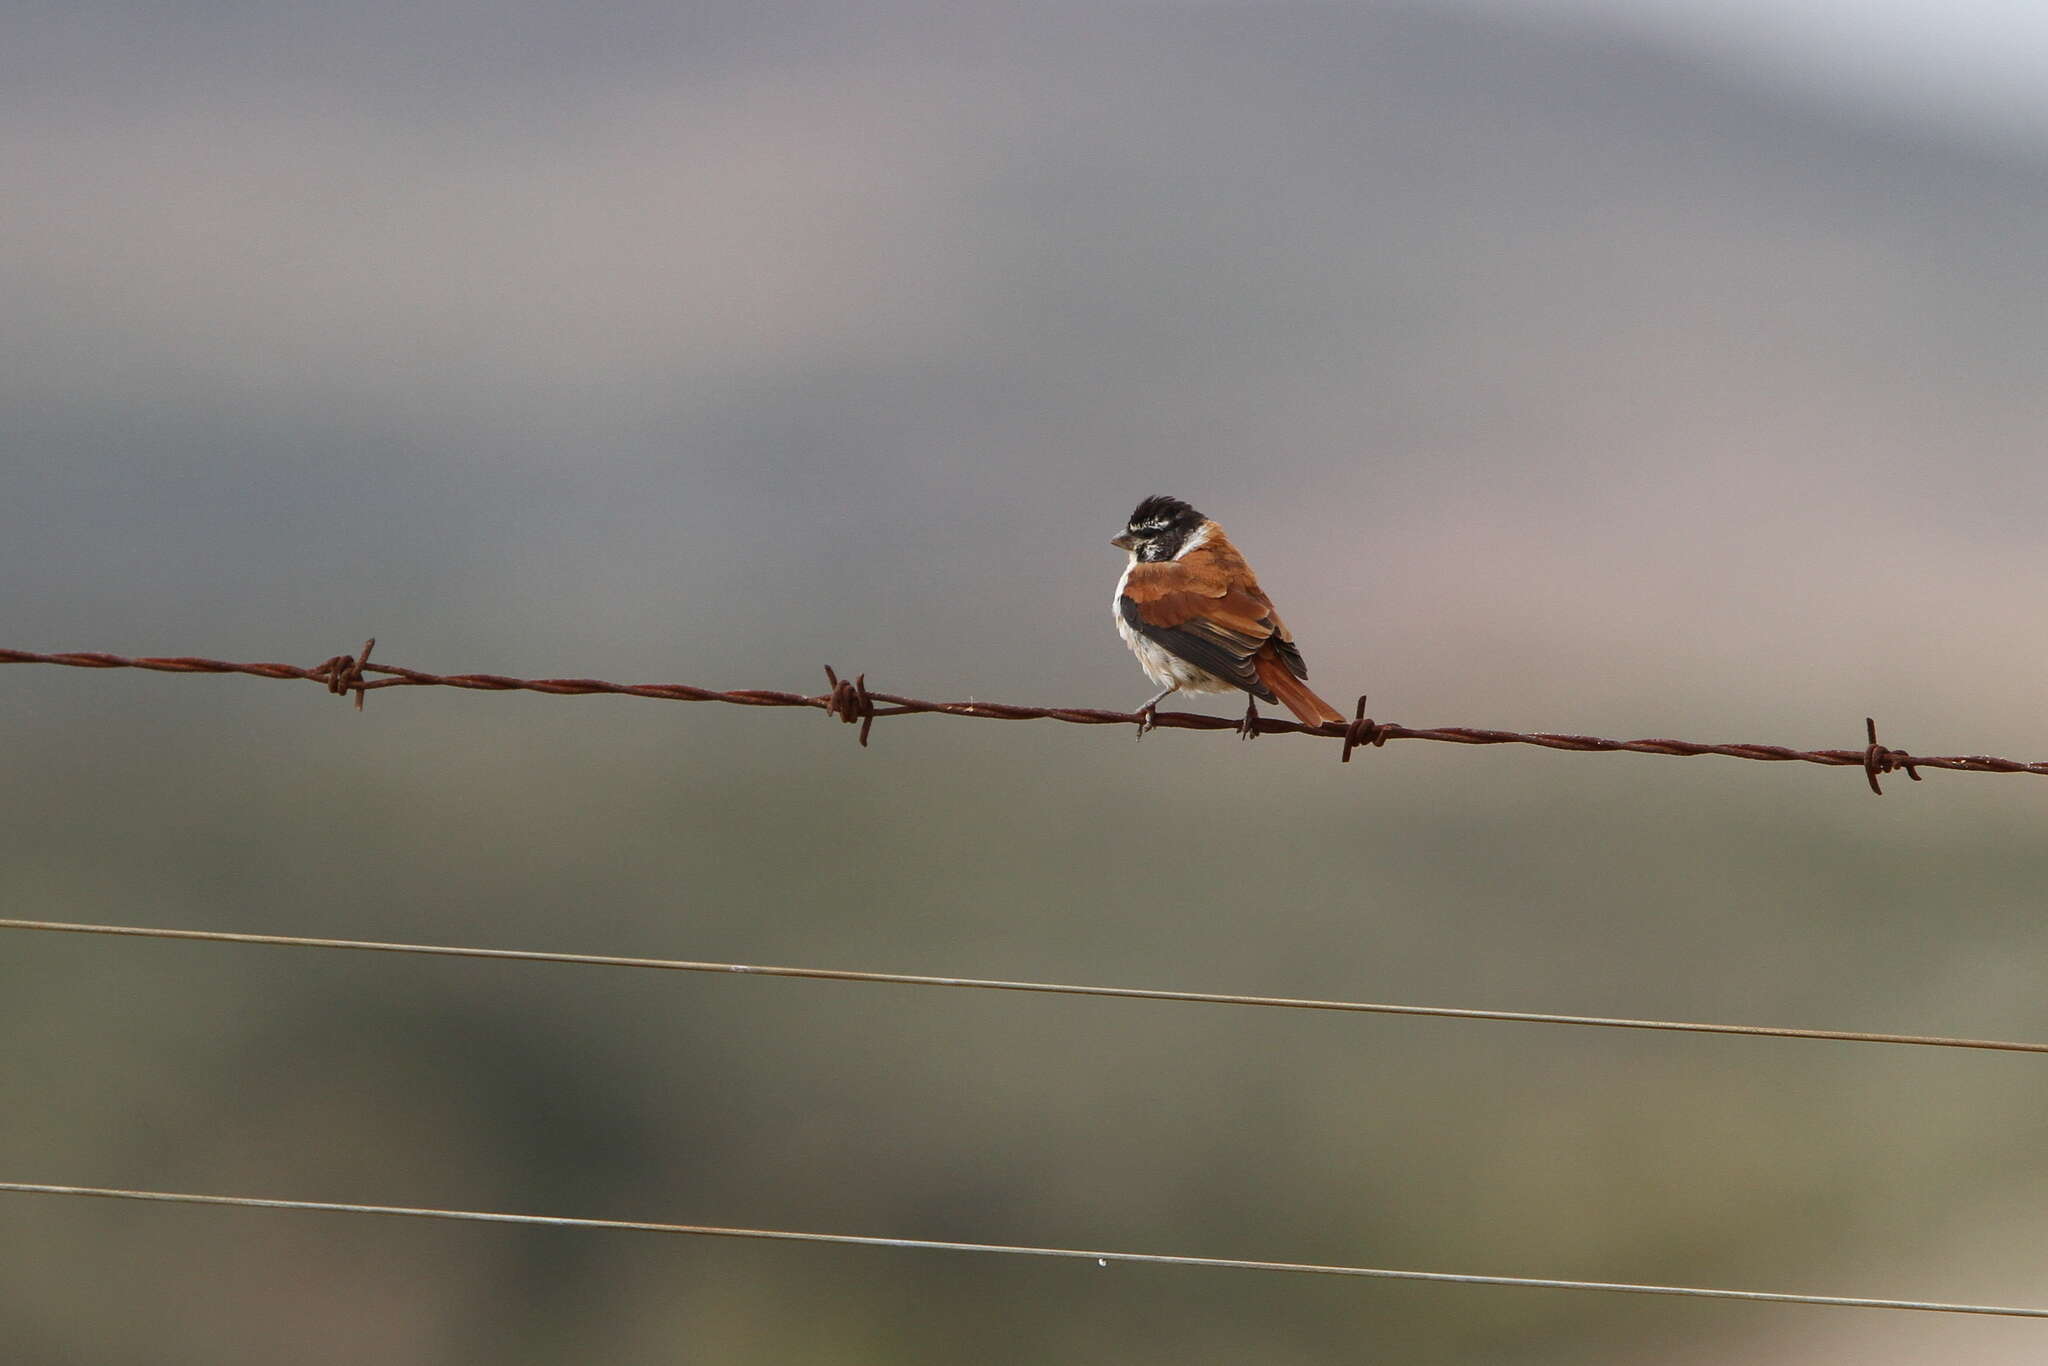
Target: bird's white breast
column 1162, row 666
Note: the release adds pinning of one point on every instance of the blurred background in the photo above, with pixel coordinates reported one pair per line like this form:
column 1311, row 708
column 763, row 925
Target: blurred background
column 1636, row 368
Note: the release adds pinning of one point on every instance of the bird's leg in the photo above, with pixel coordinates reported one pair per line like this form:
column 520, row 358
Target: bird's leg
column 1249, row 727
column 1147, row 712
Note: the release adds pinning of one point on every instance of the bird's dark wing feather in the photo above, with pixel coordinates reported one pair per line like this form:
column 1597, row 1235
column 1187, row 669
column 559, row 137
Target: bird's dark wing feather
column 1290, row 654
column 1223, row 653
column 1190, row 608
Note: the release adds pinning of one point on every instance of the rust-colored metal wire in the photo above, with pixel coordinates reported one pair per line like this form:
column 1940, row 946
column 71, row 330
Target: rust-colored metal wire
column 851, row 701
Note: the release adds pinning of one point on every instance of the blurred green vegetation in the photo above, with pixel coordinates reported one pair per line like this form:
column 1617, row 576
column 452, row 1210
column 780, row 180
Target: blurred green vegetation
column 1698, row 888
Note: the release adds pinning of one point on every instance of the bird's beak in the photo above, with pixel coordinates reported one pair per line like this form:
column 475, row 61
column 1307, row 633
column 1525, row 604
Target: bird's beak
column 1123, row 542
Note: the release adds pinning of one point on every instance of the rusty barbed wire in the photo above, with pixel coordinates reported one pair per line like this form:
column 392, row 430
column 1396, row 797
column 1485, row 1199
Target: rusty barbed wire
column 851, row 701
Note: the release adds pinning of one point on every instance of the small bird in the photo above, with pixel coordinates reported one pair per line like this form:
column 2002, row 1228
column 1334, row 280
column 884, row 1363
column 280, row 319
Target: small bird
column 1192, row 612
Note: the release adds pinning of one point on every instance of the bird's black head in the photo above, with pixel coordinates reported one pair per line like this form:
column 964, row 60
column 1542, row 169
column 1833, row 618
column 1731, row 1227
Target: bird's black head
column 1159, row 528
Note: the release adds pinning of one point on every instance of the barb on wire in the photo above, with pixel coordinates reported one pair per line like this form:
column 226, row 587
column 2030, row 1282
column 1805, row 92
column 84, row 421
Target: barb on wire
column 345, row 672
column 1363, row 730
column 1099, row 1256
column 852, row 701
column 1877, row 759
column 1042, row 988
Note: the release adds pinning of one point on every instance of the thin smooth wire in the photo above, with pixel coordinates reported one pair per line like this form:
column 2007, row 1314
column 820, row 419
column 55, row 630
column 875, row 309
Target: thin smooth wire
column 1046, row 988
column 1099, row 1256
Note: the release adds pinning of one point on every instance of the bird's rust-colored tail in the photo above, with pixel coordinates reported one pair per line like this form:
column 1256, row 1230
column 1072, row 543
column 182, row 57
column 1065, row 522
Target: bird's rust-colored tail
column 1292, row 692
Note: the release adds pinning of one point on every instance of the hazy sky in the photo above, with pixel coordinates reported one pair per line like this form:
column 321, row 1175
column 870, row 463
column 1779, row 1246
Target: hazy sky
column 1978, row 65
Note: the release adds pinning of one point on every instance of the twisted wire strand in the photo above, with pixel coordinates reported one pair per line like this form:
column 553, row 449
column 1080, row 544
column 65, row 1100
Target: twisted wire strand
column 853, row 702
